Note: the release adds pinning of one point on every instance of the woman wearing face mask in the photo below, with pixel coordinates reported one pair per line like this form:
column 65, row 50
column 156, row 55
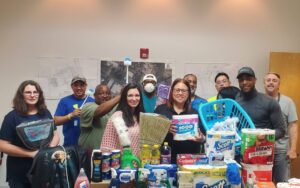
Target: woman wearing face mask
column 149, row 92
column 179, row 104
column 123, row 127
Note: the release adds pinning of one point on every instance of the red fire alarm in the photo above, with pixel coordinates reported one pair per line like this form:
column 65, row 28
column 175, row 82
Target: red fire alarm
column 144, row 53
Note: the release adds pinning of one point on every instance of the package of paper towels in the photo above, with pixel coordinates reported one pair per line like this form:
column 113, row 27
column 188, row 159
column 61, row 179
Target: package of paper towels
column 186, row 125
column 221, row 142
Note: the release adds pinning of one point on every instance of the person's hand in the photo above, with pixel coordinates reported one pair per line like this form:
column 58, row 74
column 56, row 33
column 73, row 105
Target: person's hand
column 173, row 129
column 199, row 138
column 292, row 154
column 76, row 112
column 33, row 153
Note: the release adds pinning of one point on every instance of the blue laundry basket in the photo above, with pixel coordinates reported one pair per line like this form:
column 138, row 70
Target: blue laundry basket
column 221, row 109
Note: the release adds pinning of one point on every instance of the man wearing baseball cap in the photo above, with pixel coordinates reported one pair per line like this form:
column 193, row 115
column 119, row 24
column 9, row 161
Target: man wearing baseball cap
column 264, row 111
column 69, row 108
column 149, row 84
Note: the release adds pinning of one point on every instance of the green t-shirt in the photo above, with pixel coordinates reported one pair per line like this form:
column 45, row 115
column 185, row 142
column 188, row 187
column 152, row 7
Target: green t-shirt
column 92, row 129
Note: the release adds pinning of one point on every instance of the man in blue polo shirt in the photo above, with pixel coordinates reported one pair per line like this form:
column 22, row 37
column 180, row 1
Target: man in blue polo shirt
column 69, row 109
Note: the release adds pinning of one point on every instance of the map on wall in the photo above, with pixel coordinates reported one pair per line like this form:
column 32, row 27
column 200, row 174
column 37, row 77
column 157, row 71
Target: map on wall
column 113, row 73
column 55, row 74
column 206, row 73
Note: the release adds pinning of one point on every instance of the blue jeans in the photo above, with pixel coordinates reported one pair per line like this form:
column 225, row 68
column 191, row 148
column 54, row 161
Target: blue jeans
column 280, row 168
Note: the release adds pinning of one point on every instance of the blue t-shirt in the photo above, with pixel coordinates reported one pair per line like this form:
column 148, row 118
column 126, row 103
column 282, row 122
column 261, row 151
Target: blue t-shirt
column 197, row 102
column 71, row 129
column 18, row 167
column 149, row 103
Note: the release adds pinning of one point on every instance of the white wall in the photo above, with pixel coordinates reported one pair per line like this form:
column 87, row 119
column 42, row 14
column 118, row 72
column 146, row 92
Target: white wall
column 177, row 31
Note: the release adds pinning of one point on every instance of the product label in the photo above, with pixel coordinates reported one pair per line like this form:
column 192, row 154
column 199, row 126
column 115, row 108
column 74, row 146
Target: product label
column 219, row 184
column 165, row 159
column 223, row 145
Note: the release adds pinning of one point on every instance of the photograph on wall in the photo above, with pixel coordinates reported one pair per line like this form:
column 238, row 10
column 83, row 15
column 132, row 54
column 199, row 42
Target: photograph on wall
column 113, row 73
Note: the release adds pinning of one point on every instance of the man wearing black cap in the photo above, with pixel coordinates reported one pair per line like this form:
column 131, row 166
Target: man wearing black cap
column 69, row 108
column 264, row 111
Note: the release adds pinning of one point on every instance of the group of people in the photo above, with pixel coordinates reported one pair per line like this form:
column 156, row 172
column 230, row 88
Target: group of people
column 108, row 122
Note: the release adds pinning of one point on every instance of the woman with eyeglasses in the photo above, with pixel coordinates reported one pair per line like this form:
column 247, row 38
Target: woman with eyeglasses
column 28, row 105
column 179, row 103
column 123, row 129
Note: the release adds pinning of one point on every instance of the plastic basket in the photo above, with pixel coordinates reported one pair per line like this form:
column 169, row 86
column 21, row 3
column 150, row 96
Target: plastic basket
column 220, row 110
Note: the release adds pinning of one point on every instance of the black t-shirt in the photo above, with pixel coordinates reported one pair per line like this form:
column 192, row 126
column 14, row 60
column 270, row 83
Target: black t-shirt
column 17, row 167
column 178, row 147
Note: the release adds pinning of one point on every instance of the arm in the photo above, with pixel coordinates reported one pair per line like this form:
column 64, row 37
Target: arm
column 12, row 150
column 106, row 107
column 55, row 140
column 60, row 120
column 277, row 121
column 293, row 133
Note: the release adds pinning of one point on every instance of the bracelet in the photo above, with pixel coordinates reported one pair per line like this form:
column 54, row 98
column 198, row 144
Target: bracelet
column 69, row 116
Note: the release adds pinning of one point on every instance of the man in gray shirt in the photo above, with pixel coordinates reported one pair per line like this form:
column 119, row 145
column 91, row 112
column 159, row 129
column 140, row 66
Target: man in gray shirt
column 286, row 146
column 264, row 111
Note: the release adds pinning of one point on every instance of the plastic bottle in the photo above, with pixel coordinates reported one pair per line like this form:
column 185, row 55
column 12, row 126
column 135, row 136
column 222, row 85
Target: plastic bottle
column 82, row 180
column 96, row 166
column 155, row 154
column 128, row 160
column 145, row 155
column 165, row 154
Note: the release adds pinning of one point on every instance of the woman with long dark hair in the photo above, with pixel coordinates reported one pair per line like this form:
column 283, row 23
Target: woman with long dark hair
column 179, row 103
column 28, row 106
column 123, row 128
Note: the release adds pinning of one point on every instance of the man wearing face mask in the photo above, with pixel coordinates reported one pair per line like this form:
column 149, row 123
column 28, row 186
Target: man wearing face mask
column 196, row 100
column 149, row 92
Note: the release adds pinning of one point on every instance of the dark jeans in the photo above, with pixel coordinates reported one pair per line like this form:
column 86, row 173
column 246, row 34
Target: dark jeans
column 17, row 184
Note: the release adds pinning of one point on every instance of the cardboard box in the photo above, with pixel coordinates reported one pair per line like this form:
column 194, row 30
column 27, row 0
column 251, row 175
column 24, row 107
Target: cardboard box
column 103, row 184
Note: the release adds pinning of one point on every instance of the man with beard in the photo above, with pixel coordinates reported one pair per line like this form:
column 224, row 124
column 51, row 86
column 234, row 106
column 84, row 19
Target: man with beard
column 68, row 111
column 264, row 111
column 149, row 84
column 196, row 100
column 286, row 146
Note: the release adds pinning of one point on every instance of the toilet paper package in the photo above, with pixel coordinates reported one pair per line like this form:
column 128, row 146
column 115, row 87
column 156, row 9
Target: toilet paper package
column 208, row 176
column 221, row 142
column 187, row 126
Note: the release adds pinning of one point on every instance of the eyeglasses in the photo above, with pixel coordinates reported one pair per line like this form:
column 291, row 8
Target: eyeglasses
column 180, row 90
column 29, row 93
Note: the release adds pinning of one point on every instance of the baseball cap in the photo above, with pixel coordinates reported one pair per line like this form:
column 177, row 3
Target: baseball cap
column 78, row 78
column 149, row 77
column 245, row 70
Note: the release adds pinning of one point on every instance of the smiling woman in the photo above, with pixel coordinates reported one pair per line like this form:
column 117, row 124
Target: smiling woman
column 29, row 106
column 179, row 104
column 123, row 127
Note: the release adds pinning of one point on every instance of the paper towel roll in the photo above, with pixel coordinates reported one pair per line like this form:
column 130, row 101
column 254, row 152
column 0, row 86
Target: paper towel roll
column 258, row 146
column 221, row 142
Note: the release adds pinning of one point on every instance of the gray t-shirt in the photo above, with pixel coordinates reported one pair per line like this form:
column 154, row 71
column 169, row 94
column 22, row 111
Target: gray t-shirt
column 289, row 112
